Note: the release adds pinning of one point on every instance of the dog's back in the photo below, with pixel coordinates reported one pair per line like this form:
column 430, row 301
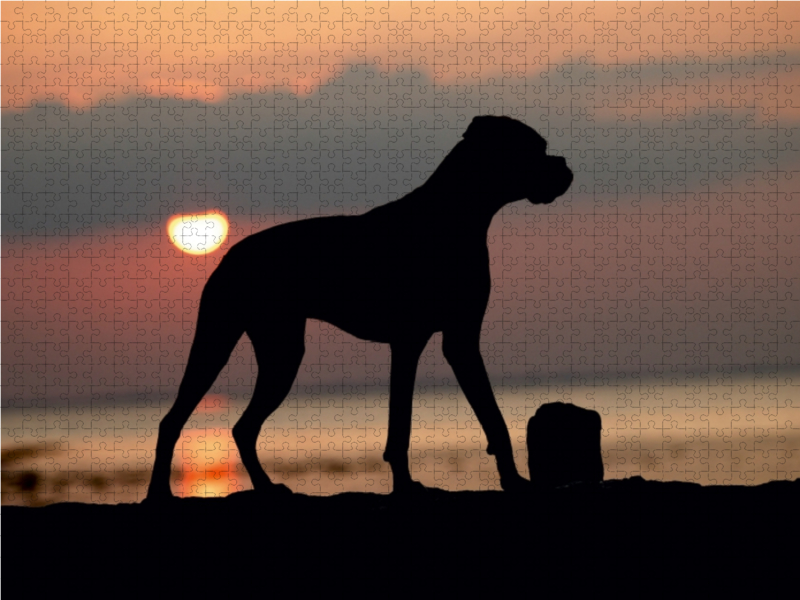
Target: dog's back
column 361, row 273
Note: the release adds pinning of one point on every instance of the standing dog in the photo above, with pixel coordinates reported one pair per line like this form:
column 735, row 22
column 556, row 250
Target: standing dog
column 396, row 274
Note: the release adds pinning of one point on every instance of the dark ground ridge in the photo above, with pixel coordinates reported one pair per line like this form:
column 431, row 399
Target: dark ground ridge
column 634, row 523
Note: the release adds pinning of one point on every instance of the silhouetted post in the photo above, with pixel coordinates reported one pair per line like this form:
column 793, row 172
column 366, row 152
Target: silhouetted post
column 564, row 445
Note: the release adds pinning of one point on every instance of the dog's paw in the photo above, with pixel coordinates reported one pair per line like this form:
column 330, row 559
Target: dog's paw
column 162, row 499
column 409, row 488
column 516, row 484
column 272, row 491
column 255, row 499
column 278, row 490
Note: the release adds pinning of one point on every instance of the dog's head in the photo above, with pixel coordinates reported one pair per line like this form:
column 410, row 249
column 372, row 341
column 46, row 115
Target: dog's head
column 517, row 155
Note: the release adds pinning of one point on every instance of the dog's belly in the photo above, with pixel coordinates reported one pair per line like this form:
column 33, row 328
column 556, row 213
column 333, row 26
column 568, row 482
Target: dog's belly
column 378, row 317
column 373, row 332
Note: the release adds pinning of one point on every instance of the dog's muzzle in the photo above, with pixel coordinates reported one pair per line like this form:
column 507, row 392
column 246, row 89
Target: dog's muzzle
column 553, row 182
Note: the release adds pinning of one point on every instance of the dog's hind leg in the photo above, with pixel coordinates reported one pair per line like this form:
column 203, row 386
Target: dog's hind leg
column 215, row 338
column 405, row 356
column 279, row 349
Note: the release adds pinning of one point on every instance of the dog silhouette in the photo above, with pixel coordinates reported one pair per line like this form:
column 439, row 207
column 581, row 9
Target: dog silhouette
column 397, row 274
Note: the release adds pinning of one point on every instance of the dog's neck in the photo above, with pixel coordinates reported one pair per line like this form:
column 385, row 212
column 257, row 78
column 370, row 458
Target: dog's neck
column 467, row 203
column 468, row 179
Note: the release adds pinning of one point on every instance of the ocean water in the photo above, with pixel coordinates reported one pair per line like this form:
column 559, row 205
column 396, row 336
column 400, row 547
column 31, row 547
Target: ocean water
column 745, row 432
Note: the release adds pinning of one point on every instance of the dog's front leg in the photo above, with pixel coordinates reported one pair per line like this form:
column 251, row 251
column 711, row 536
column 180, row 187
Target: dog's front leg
column 405, row 356
column 463, row 354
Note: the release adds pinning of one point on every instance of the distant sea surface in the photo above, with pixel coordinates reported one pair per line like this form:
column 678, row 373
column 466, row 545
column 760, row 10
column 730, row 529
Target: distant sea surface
column 740, row 433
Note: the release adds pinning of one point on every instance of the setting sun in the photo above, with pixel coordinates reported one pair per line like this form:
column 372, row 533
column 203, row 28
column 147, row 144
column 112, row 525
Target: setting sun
column 198, row 233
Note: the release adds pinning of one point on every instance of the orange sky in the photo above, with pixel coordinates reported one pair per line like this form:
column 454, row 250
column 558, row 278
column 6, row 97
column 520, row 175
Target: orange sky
column 80, row 53
column 119, row 282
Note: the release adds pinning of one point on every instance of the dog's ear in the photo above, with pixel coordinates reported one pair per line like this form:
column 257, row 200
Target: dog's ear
column 485, row 126
column 505, row 131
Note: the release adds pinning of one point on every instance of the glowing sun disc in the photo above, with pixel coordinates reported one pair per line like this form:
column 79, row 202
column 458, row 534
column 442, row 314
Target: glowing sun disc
column 198, row 233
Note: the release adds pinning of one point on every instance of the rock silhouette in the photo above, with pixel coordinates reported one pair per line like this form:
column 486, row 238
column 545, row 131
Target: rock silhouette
column 564, row 445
